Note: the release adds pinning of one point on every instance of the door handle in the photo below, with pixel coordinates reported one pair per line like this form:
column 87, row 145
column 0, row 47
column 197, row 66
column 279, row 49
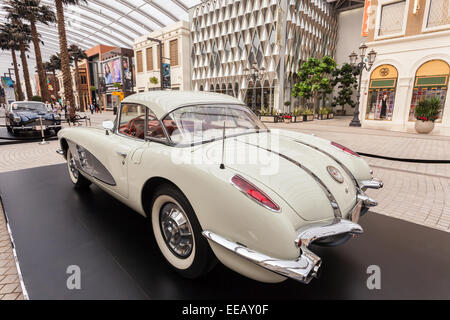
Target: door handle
column 122, row 154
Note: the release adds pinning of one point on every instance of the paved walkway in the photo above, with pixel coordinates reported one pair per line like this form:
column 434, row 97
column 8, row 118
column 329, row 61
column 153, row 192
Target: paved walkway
column 415, row 192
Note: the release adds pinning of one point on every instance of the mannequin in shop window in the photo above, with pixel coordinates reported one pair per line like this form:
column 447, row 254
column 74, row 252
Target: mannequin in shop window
column 383, row 107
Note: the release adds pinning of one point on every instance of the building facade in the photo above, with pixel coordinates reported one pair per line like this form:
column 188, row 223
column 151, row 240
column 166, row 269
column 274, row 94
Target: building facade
column 81, row 94
column 175, row 59
column 412, row 41
column 229, row 36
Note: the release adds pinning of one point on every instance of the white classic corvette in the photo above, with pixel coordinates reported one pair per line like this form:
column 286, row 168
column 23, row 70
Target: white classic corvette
column 215, row 182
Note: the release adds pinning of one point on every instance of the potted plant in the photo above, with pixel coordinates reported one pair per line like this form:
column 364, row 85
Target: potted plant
column 427, row 112
column 297, row 115
column 287, row 118
column 308, row 115
column 267, row 115
column 323, row 113
column 153, row 80
column 330, row 114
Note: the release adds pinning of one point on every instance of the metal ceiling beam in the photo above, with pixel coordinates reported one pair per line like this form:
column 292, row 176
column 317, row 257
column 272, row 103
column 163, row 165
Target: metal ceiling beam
column 180, row 4
column 162, row 10
column 121, row 14
column 136, row 9
column 113, row 20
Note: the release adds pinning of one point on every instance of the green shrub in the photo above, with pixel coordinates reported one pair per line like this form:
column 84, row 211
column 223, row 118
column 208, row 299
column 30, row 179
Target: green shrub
column 323, row 111
column 428, row 109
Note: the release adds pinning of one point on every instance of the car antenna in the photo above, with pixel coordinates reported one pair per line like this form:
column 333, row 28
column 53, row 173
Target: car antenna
column 222, row 166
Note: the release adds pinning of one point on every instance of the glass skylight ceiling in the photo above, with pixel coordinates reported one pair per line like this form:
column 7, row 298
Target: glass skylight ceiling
column 110, row 22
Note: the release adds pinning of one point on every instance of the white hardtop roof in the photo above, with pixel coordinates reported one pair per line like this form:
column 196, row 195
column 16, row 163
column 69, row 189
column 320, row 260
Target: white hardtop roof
column 162, row 102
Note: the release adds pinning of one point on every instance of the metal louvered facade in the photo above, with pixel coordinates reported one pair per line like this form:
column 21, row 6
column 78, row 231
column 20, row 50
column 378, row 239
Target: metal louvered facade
column 227, row 36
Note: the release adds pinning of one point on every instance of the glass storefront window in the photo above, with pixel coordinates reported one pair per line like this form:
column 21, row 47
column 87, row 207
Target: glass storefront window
column 381, row 97
column 381, row 104
column 431, row 81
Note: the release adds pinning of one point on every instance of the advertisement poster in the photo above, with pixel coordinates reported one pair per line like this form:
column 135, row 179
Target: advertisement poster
column 112, row 71
column 127, row 75
column 166, row 75
column 7, row 82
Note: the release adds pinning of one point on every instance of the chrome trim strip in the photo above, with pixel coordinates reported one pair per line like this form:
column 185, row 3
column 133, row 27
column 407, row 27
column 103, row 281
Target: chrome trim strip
column 347, row 170
column 334, row 204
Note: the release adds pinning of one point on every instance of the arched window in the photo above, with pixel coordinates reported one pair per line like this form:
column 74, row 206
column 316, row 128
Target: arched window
column 201, row 87
column 431, row 81
column 230, row 90
column 381, row 99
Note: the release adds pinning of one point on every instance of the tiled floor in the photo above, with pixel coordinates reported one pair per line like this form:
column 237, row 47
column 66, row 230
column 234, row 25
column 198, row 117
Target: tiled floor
column 10, row 288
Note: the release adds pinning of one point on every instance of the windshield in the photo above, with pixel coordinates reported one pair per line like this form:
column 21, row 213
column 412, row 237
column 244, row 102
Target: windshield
column 196, row 124
column 29, row 106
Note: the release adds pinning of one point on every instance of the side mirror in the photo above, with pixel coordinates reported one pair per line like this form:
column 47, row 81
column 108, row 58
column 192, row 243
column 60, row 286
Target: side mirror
column 108, row 125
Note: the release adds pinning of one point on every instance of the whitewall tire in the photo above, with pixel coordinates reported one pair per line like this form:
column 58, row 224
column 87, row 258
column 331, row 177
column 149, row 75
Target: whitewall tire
column 178, row 233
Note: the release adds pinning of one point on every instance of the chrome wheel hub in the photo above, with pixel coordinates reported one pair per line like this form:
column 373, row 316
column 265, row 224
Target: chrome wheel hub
column 73, row 168
column 176, row 230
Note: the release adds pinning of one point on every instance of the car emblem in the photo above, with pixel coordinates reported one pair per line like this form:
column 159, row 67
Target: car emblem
column 335, row 174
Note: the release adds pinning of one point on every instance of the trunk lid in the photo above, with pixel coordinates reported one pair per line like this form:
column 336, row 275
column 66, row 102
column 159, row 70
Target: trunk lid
column 290, row 169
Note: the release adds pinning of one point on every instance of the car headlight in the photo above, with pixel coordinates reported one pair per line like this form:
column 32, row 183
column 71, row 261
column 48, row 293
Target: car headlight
column 17, row 119
column 56, row 117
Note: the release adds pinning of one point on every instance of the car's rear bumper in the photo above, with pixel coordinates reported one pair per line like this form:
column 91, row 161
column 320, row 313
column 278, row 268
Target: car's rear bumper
column 307, row 265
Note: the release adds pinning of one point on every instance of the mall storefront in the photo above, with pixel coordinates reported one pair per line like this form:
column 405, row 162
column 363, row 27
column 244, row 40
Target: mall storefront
column 405, row 72
column 390, row 99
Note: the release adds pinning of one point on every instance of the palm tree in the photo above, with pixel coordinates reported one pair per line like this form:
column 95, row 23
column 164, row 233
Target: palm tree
column 55, row 63
column 22, row 35
column 7, row 42
column 65, row 62
column 77, row 54
column 33, row 12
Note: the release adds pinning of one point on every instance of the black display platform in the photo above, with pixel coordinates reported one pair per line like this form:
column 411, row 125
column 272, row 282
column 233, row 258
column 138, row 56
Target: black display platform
column 7, row 137
column 55, row 226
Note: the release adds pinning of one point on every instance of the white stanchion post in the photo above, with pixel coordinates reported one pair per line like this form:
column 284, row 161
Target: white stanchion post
column 42, row 133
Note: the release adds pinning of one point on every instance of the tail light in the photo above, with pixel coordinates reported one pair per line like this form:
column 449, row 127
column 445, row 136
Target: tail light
column 345, row 149
column 254, row 193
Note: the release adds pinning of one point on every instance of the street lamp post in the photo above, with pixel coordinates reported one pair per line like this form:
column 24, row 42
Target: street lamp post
column 361, row 66
column 254, row 74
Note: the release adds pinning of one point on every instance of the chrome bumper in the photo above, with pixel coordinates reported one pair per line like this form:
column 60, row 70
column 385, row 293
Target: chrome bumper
column 307, row 265
column 375, row 183
column 33, row 128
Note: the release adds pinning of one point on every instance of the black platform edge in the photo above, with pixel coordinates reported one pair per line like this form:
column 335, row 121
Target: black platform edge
column 16, row 258
column 370, row 155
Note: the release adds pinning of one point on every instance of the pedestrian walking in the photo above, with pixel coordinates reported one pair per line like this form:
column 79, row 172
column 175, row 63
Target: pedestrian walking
column 91, row 107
